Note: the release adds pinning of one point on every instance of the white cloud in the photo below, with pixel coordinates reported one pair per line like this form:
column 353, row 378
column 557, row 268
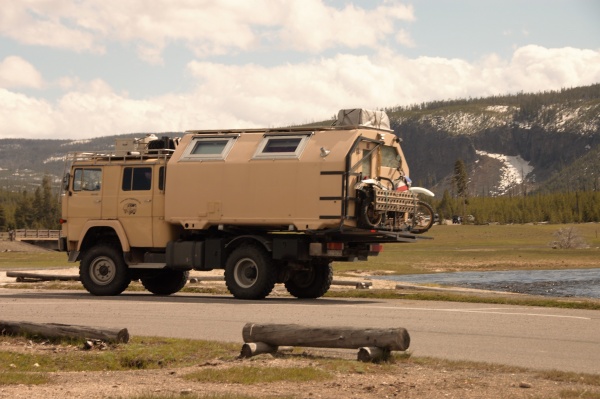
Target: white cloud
column 44, row 23
column 538, row 68
column 310, row 25
column 404, row 38
column 25, row 117
column 16, row 72
column 229, row 96
column 207, row 27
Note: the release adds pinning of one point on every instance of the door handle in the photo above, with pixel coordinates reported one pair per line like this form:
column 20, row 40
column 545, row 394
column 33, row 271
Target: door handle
column 98, row 201
column 148, row 200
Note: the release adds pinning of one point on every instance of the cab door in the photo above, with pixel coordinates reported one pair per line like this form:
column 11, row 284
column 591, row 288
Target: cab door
column 83, row 200
column 134, row 207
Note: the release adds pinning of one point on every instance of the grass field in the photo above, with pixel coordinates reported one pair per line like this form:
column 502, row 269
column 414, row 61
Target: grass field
column 494, row 247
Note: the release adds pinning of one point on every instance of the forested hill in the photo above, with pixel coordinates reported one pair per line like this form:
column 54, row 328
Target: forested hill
column 23, row 163
column 547, row 141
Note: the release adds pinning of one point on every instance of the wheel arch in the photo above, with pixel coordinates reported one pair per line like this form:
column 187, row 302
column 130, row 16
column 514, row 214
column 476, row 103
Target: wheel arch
column 264, row 242
column 106, row 231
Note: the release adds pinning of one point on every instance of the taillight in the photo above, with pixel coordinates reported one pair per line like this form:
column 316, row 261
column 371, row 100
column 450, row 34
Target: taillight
column 62, row 221
column 376, row 248
column 335, row 246
column 335, row 249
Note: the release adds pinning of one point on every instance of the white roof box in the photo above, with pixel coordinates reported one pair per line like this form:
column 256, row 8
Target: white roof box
column 363, row 117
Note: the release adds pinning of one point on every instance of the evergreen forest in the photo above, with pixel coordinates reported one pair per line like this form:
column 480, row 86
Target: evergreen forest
column 558, row 207
column 39, row 209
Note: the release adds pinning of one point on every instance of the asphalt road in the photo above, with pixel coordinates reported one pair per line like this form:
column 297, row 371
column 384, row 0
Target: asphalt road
column 539, row 338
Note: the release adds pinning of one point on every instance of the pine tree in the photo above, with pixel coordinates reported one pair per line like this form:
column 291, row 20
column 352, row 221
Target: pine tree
column 446, row 206
column 3, row 221
column 460, row 181
column 49, row 215
column 24, row 214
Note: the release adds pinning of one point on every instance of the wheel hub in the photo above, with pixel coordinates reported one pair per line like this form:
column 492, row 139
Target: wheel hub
column 102, row 271
column 245, row 273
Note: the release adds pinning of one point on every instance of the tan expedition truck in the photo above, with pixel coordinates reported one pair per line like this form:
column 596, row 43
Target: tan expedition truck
column 266, row 205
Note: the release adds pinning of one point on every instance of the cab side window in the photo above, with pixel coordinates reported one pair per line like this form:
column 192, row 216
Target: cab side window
column 87, row 179
column 161, row 178
column 137, row 179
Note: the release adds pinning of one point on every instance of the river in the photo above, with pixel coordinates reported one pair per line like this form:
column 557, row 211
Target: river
column 555, row 283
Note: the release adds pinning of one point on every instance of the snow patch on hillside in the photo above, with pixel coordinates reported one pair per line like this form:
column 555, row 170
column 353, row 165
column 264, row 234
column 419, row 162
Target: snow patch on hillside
column 583, row 119
column 465, row 122
column 513, row 172
column 498, row 108
column 75, row 142
column 54, row 159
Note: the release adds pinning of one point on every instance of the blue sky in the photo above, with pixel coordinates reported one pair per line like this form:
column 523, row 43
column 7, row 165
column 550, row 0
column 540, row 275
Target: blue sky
column 80, row 69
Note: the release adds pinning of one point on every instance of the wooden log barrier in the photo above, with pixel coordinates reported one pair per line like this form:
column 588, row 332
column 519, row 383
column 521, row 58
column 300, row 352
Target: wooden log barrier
column 23, row 277
column 250, row 349
column 326, row 337
column 372, row 354
column 54, row 330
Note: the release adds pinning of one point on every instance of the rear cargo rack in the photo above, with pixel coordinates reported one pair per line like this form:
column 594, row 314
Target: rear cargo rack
column 398, row 201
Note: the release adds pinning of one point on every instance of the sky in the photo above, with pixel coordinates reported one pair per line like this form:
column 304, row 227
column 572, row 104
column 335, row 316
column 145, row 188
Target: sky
column 76, row 69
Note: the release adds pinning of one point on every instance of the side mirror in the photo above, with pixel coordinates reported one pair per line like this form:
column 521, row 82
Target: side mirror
column 65, row 181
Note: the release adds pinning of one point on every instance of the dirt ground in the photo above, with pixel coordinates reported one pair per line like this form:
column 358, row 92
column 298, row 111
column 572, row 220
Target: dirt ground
column 403, row 379
column 17, row 246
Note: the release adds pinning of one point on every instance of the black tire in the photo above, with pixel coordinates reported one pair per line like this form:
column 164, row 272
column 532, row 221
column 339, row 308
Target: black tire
column 166, row 282
column 368, row 217
column 311, row 283
column 250, row 273
column 103, row 271
column 423, row 220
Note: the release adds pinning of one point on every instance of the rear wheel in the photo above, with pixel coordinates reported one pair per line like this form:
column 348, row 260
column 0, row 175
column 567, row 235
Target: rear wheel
column 166, row 282
column 422, row 219
column 313, row 282
column 250, row 273
column 103, row 271
column 368, row 216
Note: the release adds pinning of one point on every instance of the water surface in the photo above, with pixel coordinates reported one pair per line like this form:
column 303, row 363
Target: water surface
column 556, row 283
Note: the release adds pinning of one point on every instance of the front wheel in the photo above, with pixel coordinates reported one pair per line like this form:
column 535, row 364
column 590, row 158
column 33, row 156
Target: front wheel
column 103, row 271
column 421, row 220
column 250, row 273
column 313, row 282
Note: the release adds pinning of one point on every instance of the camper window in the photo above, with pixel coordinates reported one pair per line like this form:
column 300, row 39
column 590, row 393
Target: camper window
column 390, row 157
column 202, row 148
column 281, row 146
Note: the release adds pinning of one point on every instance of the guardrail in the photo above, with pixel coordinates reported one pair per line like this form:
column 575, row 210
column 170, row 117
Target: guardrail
column 30, row 234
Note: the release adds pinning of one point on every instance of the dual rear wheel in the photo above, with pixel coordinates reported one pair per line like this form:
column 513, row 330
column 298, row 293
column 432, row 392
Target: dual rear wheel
column 251, row 273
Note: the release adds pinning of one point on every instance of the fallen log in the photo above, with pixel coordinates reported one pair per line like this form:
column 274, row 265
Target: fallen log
column 55, row 330
column 355, row 284
column 326, row 337
column 372, row 354
column 25, row 277
column 256, row 348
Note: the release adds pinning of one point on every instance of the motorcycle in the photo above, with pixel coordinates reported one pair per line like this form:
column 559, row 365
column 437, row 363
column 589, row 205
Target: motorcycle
column 385, row 204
